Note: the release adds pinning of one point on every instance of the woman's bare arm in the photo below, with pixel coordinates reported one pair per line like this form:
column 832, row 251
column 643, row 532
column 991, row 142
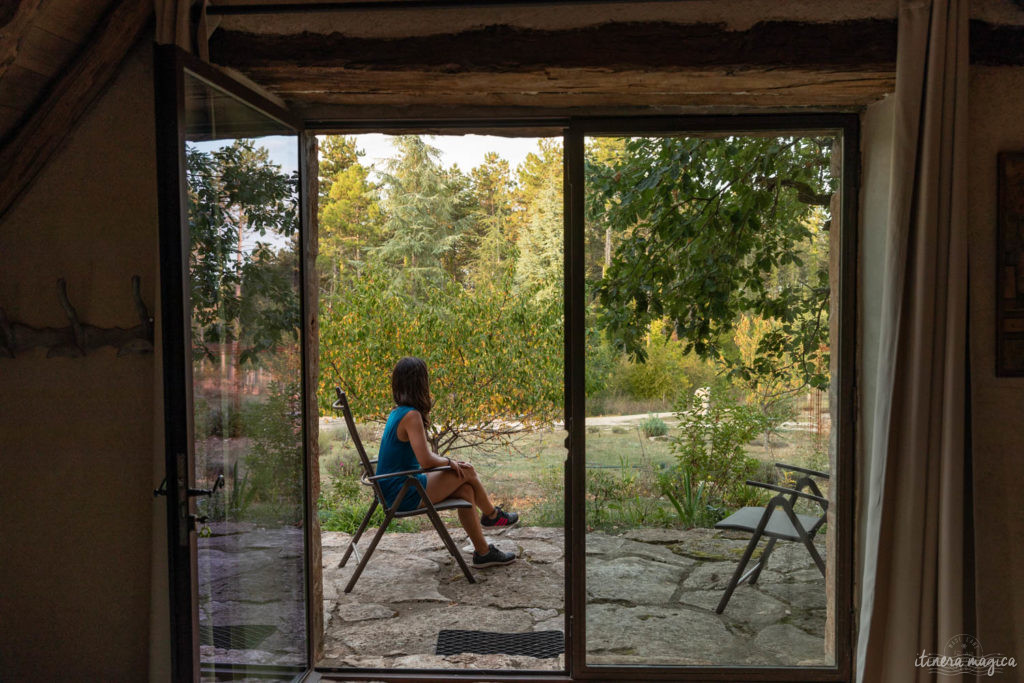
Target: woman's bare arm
column 411, row 427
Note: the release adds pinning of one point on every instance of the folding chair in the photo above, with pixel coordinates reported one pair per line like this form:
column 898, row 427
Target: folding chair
column 427, row 508
column 776, row 521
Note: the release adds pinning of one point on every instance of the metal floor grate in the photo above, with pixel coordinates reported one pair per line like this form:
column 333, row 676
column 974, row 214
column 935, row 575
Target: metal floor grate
column 541, row 644
column 235, row 637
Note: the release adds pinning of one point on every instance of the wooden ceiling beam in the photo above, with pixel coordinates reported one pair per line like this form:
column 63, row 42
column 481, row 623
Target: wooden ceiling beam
column 15, row 21
column 28, row 147
column 781, row 64
column 614, row 45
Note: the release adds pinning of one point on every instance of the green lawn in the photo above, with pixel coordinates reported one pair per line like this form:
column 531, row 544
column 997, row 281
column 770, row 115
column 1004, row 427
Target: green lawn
column 528, row 476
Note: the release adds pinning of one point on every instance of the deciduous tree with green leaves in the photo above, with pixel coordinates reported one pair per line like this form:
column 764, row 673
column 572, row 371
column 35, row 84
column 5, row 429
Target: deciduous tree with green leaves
column 494, row 354
column 243, row 221
column 708, row 229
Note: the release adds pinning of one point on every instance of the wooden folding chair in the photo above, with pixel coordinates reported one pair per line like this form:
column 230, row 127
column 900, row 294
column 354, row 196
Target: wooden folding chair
column 369, row 478
column 776, row 521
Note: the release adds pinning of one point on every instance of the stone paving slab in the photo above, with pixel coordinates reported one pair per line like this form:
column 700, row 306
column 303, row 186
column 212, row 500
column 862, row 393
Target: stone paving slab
column 651, row 598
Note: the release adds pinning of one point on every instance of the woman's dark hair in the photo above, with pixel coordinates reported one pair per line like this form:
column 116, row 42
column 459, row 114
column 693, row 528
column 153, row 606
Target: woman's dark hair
column 410, row 386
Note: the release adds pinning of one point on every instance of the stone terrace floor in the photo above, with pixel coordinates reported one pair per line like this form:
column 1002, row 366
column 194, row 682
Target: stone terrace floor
column 651, row 599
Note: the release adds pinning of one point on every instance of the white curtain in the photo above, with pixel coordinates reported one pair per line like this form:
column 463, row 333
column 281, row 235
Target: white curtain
column 912, row 583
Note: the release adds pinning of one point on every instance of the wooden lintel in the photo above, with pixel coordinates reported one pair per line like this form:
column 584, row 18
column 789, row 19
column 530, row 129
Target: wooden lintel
column 614, row 45
column 557, row 88
column 28, row 147
column 15, row 20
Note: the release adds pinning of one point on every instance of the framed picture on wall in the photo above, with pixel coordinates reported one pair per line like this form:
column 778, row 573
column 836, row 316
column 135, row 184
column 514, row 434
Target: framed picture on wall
column 1010, row 266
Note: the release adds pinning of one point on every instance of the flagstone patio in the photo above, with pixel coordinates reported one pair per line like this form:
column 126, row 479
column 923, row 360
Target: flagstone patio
column 651, row 599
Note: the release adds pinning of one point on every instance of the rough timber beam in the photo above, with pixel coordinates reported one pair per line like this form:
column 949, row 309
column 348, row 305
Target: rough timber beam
column 15, row 20
column 27, row 149
column 636, row 45
column 647, row 64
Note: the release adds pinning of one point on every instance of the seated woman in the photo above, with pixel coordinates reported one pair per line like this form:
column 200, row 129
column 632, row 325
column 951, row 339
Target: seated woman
column 404, row 446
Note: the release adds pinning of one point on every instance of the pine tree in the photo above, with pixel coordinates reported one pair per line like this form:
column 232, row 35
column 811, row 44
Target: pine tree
column 540, row 229
column 493, row 235
column 424, row 217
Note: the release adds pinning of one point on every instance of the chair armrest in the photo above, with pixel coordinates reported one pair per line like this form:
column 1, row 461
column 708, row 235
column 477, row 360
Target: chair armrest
column 802, row 470
column 783, row 489
column 406, row 473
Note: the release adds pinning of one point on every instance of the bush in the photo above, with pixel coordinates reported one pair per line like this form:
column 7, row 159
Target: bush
column 273, row 468
column 653, row 426
column 551, row 510
column 344, row 501
column 661, row 376
column 689, row 500
column 709, row 450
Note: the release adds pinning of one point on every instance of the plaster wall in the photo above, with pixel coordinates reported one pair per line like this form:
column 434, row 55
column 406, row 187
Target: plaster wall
column 77, row 434
column 996, row 100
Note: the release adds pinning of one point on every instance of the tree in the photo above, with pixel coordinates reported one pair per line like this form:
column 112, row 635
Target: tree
column 243, row 218
column 351, row 223
column 541, row 226
column 493, row 235
column 541, row 251
column 709, row 229
column 424, row 217
column 494, row 354
column 335, row 153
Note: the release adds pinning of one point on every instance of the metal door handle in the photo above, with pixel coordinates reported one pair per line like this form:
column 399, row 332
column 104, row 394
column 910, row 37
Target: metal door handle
column 219, row 483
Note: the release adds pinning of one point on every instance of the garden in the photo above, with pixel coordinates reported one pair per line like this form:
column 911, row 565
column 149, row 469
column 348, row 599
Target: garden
column 707, row 363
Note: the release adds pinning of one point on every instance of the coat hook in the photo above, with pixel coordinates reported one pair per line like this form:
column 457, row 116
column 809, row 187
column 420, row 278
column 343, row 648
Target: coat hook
column 6, row 336
column 78, row 338
column 76, row 348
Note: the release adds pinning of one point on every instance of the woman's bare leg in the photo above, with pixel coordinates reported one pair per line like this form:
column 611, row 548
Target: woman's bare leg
column 483, row 501
column 441, row 485
column 470, row 521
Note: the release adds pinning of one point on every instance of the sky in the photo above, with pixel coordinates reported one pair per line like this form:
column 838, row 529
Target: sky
column 465, row 150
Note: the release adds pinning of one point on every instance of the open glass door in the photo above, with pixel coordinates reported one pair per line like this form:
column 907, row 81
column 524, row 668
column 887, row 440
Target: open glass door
column 232, row 266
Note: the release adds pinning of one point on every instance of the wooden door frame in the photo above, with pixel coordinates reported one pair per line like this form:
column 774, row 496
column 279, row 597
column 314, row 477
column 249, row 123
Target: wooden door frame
column 574, row 130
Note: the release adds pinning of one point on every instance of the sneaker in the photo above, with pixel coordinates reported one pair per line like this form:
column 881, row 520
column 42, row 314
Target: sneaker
column 493, row 557
column 500, row 519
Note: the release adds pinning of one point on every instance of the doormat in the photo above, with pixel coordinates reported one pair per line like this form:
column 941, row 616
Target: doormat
column 235, row 637
column 541, row 644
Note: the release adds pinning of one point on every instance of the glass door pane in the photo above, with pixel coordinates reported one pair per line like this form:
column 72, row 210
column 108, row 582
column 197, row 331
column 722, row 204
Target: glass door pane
column 246, row 368
column 446, row 248
column 710, row 269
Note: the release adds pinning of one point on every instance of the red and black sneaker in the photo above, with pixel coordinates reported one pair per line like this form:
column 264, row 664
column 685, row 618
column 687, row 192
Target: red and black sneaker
column 500, row 518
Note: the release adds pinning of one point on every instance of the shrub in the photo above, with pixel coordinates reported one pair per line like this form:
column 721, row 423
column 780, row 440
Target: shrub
column 660, row 376
column 709, row 449
column 690, row 500
column 653, row 426
column 273, row 468
column 551, row 510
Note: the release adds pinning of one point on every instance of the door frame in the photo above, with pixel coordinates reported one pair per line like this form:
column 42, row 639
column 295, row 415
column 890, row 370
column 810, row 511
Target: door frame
column 171, row 62
column 574, row 130
column 170, row 65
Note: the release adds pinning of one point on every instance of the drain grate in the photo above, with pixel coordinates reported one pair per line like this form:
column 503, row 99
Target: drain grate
column 235, row 637
column 541, row 644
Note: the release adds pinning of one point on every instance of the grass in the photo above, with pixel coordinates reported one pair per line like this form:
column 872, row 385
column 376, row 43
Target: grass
column 621, row 463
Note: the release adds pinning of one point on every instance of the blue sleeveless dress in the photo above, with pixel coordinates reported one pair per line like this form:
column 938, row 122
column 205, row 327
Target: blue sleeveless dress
column 397, row 456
